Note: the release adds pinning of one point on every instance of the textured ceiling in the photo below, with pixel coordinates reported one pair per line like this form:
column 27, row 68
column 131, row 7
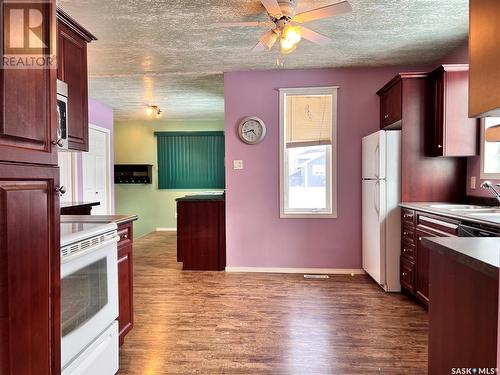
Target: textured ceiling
column 168, row 52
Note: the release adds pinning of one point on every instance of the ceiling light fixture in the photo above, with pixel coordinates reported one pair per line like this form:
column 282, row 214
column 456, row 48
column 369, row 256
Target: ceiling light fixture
column 290, row 38
column 153, row 109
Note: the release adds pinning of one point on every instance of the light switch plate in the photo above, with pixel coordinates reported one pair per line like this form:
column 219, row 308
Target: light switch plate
column 473, row 182
column 237, row 164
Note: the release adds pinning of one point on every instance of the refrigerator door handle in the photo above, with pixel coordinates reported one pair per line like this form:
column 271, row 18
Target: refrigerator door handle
column 377, row 197
column 377, row 161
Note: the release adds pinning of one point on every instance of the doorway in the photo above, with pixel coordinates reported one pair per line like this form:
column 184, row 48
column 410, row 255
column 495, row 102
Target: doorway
column 96, row 170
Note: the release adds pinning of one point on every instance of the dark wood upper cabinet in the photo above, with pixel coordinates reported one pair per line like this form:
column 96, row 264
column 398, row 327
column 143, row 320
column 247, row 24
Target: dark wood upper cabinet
column 484, row 57
column 451, row 131
column 391, row 105
column 30, row 333
column 28, row 112
column 72, row 69
column 423, row 178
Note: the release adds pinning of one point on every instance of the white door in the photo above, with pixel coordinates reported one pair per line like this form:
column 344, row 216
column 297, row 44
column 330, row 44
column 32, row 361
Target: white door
column 96, row 184
column 373, row 220
column 67, row 175
column 373, row 153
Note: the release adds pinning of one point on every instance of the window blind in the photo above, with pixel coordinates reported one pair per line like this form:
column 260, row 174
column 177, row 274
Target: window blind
column 190, row 160
column 308, row 120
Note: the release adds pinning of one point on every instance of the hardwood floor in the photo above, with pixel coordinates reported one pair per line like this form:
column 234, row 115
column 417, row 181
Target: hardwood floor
column 218, row 323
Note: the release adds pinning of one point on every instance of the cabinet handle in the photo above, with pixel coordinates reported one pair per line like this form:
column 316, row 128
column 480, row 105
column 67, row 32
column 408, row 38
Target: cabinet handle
column 59, row 142
column 386, row 117
column 61, row 190
column 440, row 146
column 405, row 233
column 125, row 236
column 405, row 250
column 405, row 274
column 408, row 216
column 420, row 238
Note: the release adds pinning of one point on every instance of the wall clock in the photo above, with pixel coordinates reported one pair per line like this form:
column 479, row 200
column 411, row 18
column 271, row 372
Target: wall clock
column 252, row 130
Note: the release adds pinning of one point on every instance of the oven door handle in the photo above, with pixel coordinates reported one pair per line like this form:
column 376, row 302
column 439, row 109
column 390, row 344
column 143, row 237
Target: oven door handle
column 65, row 258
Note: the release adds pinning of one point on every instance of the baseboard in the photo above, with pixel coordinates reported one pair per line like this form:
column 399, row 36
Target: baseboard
column 328, row 271
column 166, row 229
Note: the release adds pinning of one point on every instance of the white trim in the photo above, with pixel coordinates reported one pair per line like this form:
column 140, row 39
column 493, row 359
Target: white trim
column 166, row 229
column 332, row 166
column 482, row 174
column 329, row 271
column 73, row 188
column 109, row 183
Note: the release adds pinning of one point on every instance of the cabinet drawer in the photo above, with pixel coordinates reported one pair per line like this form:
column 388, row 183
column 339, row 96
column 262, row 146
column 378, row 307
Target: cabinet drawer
column 407, row 234
column 408, row 216
column 407, row 274
column 408, row 250
column 125, row 234
column 438, row 223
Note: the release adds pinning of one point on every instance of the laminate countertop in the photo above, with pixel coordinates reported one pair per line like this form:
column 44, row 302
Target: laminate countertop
column 117, row 219
column 481, row 254
column 492, row 220
column 78, row 204
column 202, row 197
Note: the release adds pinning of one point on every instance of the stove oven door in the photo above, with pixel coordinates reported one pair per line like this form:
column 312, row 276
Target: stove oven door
column 89, row 297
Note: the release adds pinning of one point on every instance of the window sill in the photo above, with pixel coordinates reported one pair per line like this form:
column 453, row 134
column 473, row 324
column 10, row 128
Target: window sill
column 304, row 215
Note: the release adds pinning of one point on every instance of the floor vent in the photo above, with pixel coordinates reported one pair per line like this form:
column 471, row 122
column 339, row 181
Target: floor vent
column 316, row 276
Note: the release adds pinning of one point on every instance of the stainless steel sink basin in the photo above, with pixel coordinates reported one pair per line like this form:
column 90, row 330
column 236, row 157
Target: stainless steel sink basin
column 457, row 207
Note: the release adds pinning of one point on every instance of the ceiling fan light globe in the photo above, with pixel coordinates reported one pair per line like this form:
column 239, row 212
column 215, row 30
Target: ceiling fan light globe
column 149, row 111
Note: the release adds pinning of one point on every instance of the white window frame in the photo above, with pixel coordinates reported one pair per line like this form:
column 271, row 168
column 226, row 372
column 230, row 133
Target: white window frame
column 483, row 174
column 331, row 157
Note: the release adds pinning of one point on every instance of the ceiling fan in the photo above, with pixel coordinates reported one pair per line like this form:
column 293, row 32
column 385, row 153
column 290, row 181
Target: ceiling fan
column 287, row 25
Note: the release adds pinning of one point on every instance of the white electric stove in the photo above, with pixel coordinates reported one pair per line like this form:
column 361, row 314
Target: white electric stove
column 89, row 298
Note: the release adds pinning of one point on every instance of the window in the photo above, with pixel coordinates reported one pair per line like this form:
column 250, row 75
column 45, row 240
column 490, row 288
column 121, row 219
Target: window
column 190, row 160
column 490, row 151
column 308, row 129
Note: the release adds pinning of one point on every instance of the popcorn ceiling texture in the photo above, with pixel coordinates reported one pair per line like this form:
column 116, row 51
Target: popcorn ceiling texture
column 169, row 53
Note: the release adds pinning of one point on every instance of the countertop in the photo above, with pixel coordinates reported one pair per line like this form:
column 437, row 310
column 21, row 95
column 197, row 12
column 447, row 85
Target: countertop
column 481, row 254
column 426, row 207
column 201, row 197
column 117, row 219
column 78, row 204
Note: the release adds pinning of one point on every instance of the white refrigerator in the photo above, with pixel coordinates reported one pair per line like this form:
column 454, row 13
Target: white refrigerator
column 381, row 217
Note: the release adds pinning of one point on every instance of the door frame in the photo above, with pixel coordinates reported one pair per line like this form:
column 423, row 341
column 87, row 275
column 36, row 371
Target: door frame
column 109, row 186
column 74, row 190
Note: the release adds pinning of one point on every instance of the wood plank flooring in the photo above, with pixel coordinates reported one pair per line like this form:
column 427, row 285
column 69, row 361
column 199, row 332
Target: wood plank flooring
column 217, row 323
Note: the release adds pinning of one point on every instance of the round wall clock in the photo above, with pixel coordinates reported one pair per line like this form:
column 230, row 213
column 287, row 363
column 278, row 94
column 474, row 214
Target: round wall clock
column 252, row 130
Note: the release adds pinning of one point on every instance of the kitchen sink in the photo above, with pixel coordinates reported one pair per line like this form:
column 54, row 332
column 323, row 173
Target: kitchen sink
column 457, row 207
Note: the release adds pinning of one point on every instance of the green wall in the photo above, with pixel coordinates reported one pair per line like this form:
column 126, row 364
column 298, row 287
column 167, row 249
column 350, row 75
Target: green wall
column 135, row 143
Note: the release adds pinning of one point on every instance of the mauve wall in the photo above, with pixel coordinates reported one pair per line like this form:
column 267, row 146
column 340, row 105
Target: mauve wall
column 256, row 236
column 100, row 115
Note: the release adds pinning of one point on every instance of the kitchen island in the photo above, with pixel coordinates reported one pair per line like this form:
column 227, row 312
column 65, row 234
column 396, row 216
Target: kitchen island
column 125, row 263
column 463, row 303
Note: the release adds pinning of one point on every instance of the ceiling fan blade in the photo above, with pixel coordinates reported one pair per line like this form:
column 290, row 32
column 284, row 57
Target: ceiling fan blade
column 266, row 41
column 273, row 8
column 244, row 24
column 323, row 12
column 314, row 37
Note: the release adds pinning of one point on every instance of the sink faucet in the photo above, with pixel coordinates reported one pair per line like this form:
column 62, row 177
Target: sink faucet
column 489, row 186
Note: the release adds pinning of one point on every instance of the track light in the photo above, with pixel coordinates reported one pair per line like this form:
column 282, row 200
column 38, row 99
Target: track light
column 153, row 109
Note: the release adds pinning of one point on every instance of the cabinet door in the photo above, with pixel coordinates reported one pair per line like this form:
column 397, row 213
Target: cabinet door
column 437, row 115
column 391, row 106
column 28, row 113
column 125, row 290
column 29, row 270
column 422, row 268
column 72, row 66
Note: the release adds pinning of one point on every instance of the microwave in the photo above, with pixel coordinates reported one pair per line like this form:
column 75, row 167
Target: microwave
column 62, row 114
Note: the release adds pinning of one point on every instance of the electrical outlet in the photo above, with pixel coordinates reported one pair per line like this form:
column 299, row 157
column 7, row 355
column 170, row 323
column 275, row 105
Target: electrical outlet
column 237, row 164
column 473, row 182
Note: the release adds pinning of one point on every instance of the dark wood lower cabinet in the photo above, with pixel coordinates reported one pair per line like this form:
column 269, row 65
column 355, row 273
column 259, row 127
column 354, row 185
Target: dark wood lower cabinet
column 463, row 316
column 125, row 280
column 201, row 233
column 30, row 333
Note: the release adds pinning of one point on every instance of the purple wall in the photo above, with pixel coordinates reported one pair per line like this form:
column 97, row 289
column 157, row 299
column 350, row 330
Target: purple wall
column 100, row 115
column 256, row 236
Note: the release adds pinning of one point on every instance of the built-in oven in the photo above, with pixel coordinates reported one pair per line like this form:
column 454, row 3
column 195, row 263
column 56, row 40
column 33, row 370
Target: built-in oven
column 89, row 296
column 62, row 114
